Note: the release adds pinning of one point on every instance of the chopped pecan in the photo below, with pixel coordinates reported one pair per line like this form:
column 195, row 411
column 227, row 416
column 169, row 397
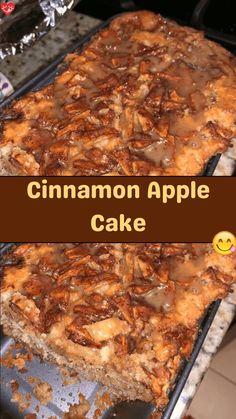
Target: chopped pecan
column 142, row 312
column 89, row 314
column 182, row 337
column 76, row 252
column 60, row 295
column 88, row 167
column 119, row 60
column 140, row 144
column 52, row 316
column 123, row 303
column 98, row 302
column 108, row 83
column 124, row 161
column 74, row 268
column 33, row 287
column 27, row 309
column 141, row 289
column 125, row 344
column 80, row 335
column 37, row 284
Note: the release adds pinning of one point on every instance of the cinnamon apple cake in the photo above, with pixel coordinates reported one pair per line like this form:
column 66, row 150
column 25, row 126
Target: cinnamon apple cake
column 145, row 97
column 125, row 315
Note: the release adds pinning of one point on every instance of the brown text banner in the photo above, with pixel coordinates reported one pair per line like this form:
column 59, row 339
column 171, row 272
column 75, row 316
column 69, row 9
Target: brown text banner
column 116, row 209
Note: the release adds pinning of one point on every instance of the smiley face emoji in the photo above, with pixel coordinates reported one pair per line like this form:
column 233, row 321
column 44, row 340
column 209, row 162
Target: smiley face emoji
column 224, row 243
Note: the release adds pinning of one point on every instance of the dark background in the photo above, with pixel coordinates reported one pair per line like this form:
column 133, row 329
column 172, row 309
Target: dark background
column 220, row 14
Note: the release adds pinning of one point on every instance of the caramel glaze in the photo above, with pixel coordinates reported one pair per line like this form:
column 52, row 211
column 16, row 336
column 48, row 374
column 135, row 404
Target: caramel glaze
column 117, row 304
column 145, row 97
column 116, row 279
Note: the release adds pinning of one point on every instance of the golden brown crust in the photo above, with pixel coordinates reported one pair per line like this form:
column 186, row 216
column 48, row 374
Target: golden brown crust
column 102, row 307
column 145, row 97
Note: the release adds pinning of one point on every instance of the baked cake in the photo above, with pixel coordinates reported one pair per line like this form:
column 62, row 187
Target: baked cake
column 125, row 315
column 145, row 97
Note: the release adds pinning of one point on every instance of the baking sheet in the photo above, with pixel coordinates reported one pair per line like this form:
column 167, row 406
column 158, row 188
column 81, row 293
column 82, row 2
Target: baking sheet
column 64, row 395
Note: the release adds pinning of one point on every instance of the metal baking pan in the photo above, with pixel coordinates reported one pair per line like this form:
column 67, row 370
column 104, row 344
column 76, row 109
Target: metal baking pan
column 64, row 395
column 48, row 74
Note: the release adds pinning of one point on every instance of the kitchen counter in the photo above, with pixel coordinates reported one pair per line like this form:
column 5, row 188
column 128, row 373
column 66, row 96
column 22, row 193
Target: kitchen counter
column 21, row 67
column 211, row 344
column 72, row 26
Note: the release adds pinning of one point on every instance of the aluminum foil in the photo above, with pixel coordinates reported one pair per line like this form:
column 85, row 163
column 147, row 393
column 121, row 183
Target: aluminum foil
column 29, row 21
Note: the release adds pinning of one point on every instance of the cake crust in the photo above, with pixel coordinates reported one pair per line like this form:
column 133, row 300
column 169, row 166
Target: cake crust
column 125, row 315
column 145, row 97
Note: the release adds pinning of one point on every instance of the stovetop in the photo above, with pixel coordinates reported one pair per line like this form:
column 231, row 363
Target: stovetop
column 215, row 17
